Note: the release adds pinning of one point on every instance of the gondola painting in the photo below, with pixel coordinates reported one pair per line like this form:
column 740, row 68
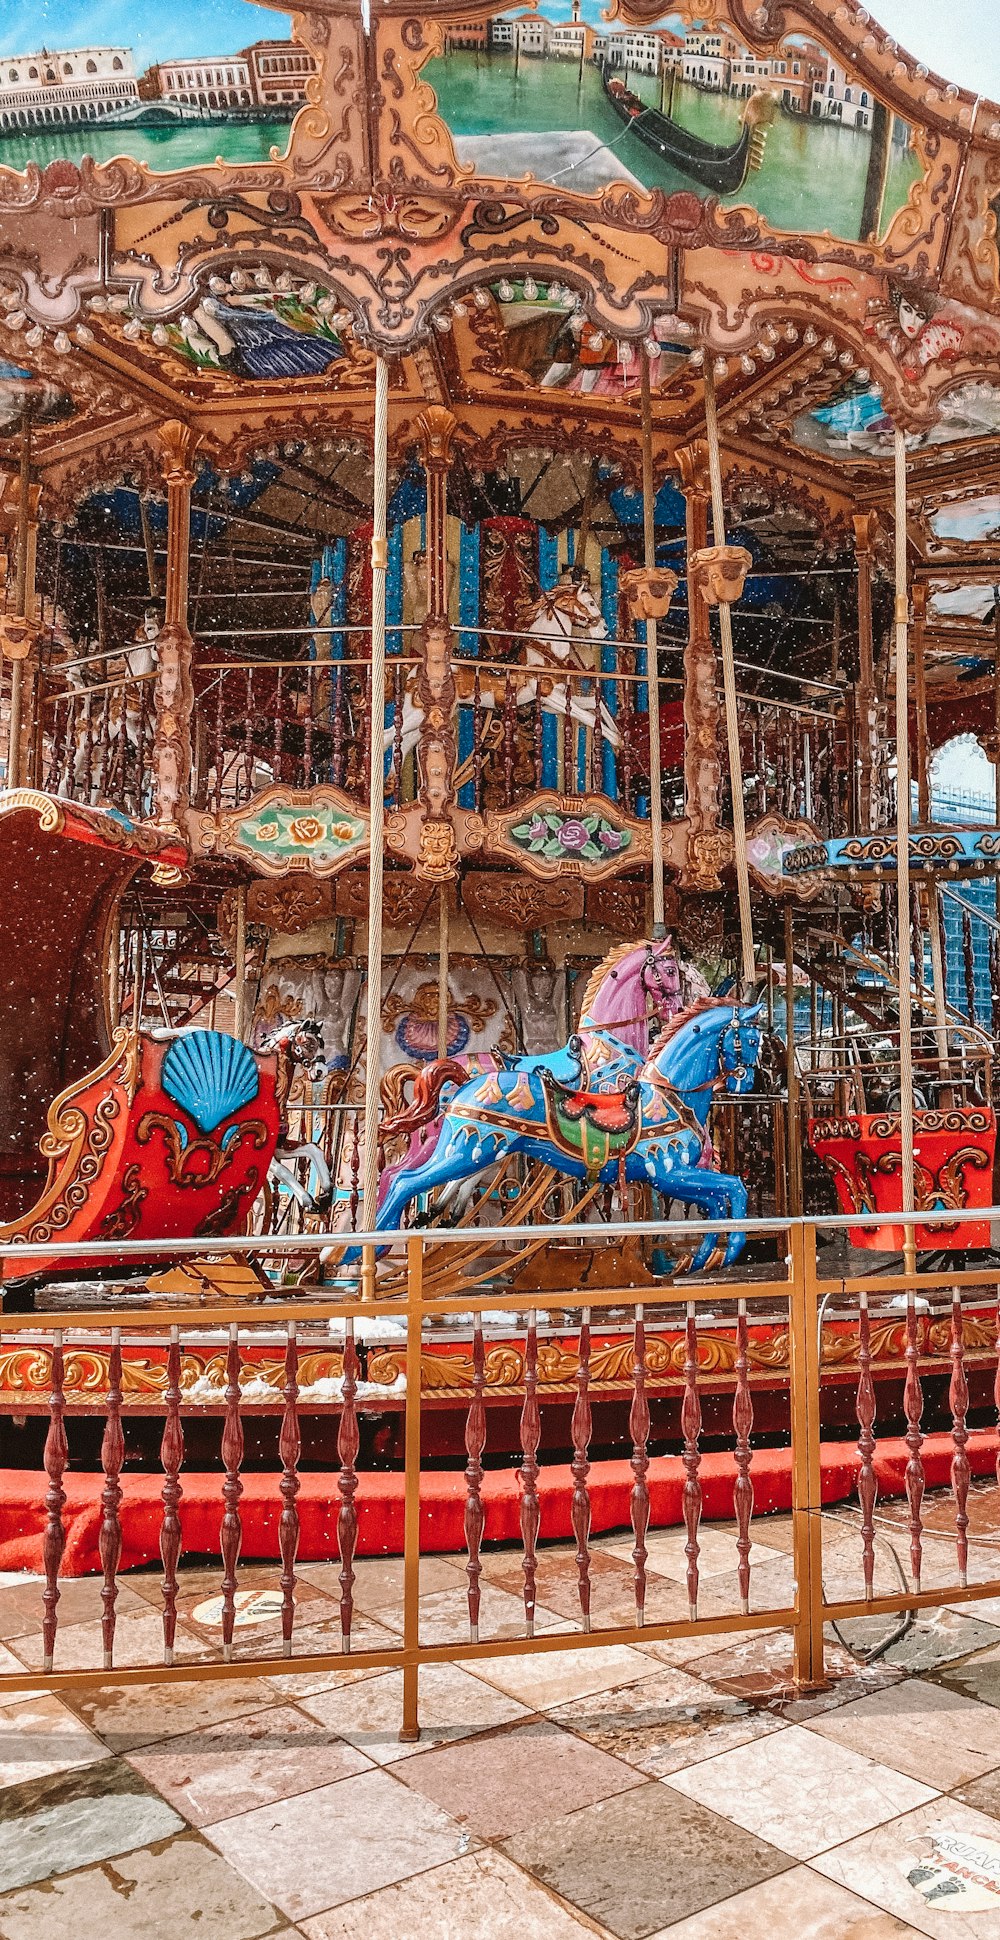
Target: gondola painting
column 676, row 105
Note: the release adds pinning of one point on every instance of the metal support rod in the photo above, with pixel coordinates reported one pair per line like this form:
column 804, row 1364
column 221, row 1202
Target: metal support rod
column 240, row 956
column 794, row 1152
column 729, row 692
column 652, row 657
column 442, row 1022
column 903, row 851
column 376, row 799
column 20, row 600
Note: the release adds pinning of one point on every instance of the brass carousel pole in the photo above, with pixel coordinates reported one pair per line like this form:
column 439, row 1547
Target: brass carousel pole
column 376, row 799
column 729, row 692
column 903, row 854
column 652, row 663
column 21, row 599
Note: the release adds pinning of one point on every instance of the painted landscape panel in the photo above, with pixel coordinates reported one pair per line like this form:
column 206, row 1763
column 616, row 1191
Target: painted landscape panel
column 583, row 103
column 172, row 83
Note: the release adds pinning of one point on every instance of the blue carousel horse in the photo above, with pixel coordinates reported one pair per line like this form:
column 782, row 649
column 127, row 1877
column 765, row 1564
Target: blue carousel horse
column 653, row 1128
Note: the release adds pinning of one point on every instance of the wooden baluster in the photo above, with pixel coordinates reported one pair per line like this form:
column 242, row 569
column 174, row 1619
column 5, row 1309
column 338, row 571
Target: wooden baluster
column 913, row 1404
column 867, row 1485
column 397, row 731
column 64, row 785
column 54, row 1541
column 307, row 728
column 112, row 1457
column 171, row 1457
column 218, row 752
column 348, row 1443
column 248, row 760
column 638, row 1428
column 958, row 1401
column 279, row 722
column 231, row 1533
column 289, row 1447
column 580, row 1466
column 355, row 1198
column 691, row 1456
column 60, row 719
column 509, row 738
column 337, row 748
column 597, row 743
column 569, row 765
column 969, row 967
column 89, row 745
column 626, row 713
column 742, row 1430
column 475, row 1442
column 104, row 740
column 531, row 1434
column 477, row 740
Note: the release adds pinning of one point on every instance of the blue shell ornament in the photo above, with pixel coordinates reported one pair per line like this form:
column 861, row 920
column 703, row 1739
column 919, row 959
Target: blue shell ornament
column 210, row 1076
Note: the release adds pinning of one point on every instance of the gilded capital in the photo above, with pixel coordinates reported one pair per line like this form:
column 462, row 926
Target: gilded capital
column 178, row 445
column 437, row 427
column 692, row 463
column 865, row 527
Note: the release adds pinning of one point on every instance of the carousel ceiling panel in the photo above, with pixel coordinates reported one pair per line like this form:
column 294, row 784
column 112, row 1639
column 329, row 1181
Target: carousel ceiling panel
column 855, row 424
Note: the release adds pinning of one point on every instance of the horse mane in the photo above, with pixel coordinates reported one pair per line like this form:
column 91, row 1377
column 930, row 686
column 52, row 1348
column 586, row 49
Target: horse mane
column 603, row 970
column 682, row 1017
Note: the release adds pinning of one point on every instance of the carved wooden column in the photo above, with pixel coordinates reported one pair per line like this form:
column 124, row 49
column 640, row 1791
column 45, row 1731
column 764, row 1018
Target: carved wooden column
column 17, row 630
column 702, row 715
column 174, row 693
column 865, row 526
column 435, row 688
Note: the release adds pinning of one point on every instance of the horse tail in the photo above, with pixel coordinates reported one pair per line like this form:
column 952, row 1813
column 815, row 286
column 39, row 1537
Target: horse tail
column 426, row 1101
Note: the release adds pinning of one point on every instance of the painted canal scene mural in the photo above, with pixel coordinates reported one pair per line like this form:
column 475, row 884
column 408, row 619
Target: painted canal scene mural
column 171, row 85
column 677, row 104
column 499, row 969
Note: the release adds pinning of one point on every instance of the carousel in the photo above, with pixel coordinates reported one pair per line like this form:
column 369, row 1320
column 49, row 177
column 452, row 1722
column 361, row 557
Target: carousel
column 511, row 560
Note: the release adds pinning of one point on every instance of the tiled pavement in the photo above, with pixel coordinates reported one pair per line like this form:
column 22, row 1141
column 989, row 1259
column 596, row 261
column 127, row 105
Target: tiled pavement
column 669, row 1789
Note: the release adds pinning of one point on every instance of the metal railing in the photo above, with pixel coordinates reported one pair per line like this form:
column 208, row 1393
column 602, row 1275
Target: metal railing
column 540, row 1329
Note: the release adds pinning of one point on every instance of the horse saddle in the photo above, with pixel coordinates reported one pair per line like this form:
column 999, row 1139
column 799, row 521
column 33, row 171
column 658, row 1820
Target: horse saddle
column 613, row 1112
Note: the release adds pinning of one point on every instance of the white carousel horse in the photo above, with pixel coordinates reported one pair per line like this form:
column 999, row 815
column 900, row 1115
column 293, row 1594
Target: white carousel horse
column 298, row 1045
column 556, row 622
column 131, row 668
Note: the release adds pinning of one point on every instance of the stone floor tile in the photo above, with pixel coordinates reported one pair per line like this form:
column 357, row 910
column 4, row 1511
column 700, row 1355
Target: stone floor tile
column 891, row 1864
column 312, row 1852
column 919, row 1728
column 317, row 1637
column 799, row 1905
column 41, row 1736
column 757, row 1664
column 257, row 1610
column 138, row 1640
column 634, row 1862
column 379, row 1579
column 300, row 1684
column 557, row 1586
column 182, row 1890
column 244, row 1762
column 444, row 1617
column 453, row 1705
column 555, row 1677
column 516, row 1778
column 941, row 1637
column 54, row 1825
column 799, row 1791
column 21, row 1608
column 480, row 1897
column 977, row 1676
column 717, row 1552
column 665, row 1722
column 128, row 1716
